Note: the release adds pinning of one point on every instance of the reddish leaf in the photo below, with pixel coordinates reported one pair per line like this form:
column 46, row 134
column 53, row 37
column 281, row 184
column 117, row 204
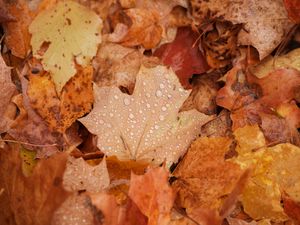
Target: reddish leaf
column 183, row 55
column 293, row 10
column 291, row 208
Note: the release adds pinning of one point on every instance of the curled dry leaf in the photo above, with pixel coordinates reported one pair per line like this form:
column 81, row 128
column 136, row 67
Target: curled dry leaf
column 58, row 40
column 153, row 195
column 265, row 22
column 145, row 125
column 203, row 176
column 183, row 55
column 32, row 199
column 75, row 100
column 273, row 174
column 7, row 88
column 79, row 176
column 117, row 66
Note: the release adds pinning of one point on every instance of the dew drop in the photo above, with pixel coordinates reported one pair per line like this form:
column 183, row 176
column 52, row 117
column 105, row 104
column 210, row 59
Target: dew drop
column 161, row 86
column 148, row 105
column 148, row 95
column 164, row 108
column 180, row 89
column 158, row 93
column 156, row 127
column 126, row 101
column 101, row 121
column 116, row 97
column 109, row 125
column 140, row 111
column 150, row 131
column 111, row 114
column 131, row 116
column 169, row 96
column 161, row 118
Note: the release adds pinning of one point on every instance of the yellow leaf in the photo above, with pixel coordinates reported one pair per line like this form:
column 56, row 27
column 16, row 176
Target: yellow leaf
column 65, row 33
column 275, row 171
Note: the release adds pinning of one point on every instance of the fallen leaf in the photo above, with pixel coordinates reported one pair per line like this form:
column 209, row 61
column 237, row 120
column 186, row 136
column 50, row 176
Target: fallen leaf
column 17, row 36
column 5, row 16
column 273, row 174
column 263, row 101
column 29, row 161
column 153, row 195
column 204, row 177
column 75, row 100
column 79, row 176
column 183, row 55
column 145, row 125
column 202, row 97
column 290, row 60
column 32, row 199
column 265, row 22
column 117, row 66
column 57, row 39
column 8, row 89
column 144, row 30
column 293, row 7
column 291, row 208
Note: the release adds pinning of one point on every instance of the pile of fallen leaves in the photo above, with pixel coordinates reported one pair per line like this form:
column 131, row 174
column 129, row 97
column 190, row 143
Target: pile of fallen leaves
column 158, row 112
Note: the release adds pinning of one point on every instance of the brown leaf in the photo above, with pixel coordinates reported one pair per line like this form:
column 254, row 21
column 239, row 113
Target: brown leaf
column 7, row 90
column 153, row 195
column 79, row 176
column 203, row 176
column 144, row 30
column 61, row 111
column 33, row 199
column 5, row 16
column 17, row 36
column 265, row 22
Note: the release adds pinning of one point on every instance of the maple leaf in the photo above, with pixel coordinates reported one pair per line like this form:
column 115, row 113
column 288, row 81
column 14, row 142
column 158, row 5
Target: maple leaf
column 41, row 192
column 153, row 195
column 265, row 22
column 183, row 55
column 145, row 125
column 203, row 176
column 75, row 100
column 263, row 101
column 60, row 32
column 8, row 88
column 79, row 175
column 273, row 174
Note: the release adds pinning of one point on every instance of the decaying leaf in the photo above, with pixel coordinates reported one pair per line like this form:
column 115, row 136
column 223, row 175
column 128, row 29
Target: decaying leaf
column 153, row 195
column 61, row 37
column 263, row 101
column 204, row 177
column 117, row 66
column 273, row 174
column 75, row 100
column 7, row 88
column 183, row 55
column 145, row 125
column 32, row 199
column 79, row 176
column 265, row 22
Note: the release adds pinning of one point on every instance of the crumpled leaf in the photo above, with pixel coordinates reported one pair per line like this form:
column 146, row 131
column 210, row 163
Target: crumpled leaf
column 265, row 22
column 273, row 174
column 288, row 61
column 117, row 66
column 58, row 40
column 145, row 125
column 183, row 55
column 79, row 176
column 263, row 101
column 75, row 100
column 32, row 199
column 153, row 195
column 203, row 176
column 7, row 90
